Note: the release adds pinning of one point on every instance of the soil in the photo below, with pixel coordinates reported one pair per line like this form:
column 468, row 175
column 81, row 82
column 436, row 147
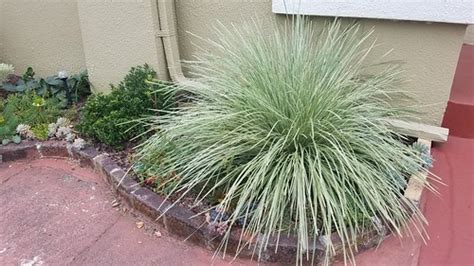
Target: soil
column 3, row 94
column 123, row 159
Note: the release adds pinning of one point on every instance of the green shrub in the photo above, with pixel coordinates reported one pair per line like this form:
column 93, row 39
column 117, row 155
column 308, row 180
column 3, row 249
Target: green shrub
column 292, row 127
column 112, row 118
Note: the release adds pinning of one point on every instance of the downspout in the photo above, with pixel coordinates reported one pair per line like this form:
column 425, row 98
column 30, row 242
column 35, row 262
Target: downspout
column 168, row 34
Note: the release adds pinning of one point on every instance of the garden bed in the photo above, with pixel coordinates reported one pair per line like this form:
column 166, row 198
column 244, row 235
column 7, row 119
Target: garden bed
column 178, row 219
column 309, row 149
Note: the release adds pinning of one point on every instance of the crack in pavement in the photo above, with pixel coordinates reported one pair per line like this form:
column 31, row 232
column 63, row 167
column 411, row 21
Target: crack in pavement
column 88, row 247
column 14, row 174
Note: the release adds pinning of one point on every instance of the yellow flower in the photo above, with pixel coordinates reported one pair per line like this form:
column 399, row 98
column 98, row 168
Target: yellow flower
column 38, row 101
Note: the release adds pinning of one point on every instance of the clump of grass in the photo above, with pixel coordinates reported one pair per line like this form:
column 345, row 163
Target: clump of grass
column 294, row 125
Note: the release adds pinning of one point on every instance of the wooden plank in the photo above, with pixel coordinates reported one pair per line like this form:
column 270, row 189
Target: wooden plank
column 416, row 181
column 433, row 133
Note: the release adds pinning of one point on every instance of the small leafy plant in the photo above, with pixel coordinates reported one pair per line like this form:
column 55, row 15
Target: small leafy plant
column 32, row 109
column 292, row 127
column 29, row 109
column 7, row 127
column 112, row 118
column 77, row 88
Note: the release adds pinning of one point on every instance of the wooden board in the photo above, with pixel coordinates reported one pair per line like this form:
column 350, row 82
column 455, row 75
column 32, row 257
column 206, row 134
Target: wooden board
column 415, row 183
column 427, row 132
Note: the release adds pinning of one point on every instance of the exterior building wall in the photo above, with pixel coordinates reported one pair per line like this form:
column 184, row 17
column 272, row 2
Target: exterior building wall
column 42, row 34
column 429, row 51
column 108, row 37
column 118, row 35
column 469, row 38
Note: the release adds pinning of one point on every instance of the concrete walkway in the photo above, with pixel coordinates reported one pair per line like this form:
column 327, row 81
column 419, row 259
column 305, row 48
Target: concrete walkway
column 55, row 213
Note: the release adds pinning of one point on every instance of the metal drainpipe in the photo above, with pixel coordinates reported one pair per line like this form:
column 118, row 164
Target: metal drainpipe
column 168, row 34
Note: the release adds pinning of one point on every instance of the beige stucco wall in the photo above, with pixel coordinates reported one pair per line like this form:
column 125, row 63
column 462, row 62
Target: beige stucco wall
column 118, row 35
column 430, row 54
column 108, row 37
column 429, row 50
column 469, row 38
column 42, row 34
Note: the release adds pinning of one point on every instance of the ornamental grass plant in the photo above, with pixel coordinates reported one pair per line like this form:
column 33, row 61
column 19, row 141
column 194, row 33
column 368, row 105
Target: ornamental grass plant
column 291, row 126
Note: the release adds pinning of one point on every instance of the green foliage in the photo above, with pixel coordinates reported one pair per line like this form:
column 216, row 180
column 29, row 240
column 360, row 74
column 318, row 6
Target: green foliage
column 40, row 131
column 112, row 118
column 29, row 109
column 7, row 126
column 77, row 88
column 71, row 113
column 29, row 74
column 32, row 109
column 8, row 122
column 293, row 123
column 136, row 78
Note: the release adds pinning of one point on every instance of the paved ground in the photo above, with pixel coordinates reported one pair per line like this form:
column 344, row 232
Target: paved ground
column 56, row 213
column 450, row 214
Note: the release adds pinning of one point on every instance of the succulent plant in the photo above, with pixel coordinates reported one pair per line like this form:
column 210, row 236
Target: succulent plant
column 5, row 70
column 217, row 214
column 70, row 137
column 62, row 132
column 25, row 131
column 16, row 139
column 52, row 128
column 63, row 122
column 79, row 144
column 217, row 220
column 5, row 141
column 424, row 151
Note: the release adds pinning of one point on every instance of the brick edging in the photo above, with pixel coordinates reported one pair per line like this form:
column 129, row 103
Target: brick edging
column 177, row 220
